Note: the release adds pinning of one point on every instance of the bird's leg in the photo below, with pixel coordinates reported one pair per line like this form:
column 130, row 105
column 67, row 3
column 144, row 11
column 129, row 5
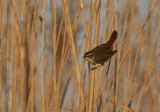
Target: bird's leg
column 97, row 67
column 108, row 66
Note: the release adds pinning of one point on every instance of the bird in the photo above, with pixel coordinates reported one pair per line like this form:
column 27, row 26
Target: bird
column 101, row 53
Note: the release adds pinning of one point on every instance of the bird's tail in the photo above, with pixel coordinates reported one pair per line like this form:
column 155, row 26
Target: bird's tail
column 113, row 37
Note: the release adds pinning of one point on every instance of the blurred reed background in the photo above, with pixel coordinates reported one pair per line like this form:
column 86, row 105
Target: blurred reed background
column 42, row 43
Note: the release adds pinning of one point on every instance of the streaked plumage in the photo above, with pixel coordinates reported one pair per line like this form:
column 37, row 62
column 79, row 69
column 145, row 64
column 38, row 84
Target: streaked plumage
column 101, row 53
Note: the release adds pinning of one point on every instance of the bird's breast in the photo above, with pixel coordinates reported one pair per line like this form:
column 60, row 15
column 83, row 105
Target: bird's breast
column 91, row 60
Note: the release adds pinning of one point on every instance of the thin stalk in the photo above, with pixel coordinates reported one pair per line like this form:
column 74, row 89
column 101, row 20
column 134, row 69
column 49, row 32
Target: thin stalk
column 43, row 35
column 116, row 77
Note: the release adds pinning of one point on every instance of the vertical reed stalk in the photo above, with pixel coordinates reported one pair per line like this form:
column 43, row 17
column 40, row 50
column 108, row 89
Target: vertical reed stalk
column 43, row 37
column 116, row 77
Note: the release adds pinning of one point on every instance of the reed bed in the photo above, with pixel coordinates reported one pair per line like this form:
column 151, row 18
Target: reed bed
column 42, row 43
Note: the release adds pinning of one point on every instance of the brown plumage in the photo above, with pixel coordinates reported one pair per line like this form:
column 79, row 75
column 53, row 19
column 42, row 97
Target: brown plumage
column 101, row 53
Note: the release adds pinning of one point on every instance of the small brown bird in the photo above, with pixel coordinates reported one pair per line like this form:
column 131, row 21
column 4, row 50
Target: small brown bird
column 101, row 53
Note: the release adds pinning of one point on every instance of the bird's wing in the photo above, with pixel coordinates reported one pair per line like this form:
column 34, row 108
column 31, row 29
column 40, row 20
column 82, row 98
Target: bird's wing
column 103, row 56
column 100, row 55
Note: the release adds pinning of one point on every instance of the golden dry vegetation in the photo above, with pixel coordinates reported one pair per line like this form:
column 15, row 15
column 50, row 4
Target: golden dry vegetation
column 42, row 45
